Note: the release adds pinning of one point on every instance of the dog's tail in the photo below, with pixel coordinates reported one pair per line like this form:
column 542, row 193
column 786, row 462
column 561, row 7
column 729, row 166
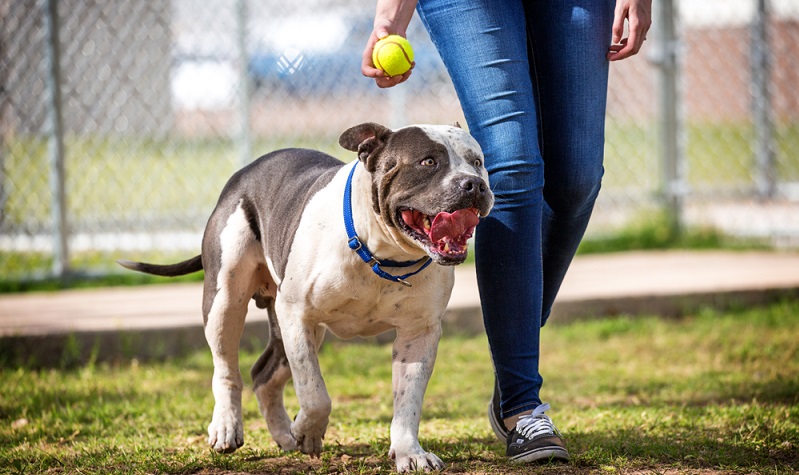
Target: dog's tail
column 169, row 270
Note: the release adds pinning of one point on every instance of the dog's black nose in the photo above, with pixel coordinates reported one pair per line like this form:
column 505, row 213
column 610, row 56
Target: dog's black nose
column 474, row 184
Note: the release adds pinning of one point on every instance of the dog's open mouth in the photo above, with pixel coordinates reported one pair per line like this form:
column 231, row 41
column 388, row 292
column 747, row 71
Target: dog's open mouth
column 445, row 234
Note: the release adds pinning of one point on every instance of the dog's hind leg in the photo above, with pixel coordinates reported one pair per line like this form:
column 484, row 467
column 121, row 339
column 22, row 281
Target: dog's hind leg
column 233, row 266
column 269, row 376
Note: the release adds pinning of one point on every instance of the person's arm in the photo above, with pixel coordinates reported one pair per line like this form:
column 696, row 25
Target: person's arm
column 638, row 14
column 391, row 18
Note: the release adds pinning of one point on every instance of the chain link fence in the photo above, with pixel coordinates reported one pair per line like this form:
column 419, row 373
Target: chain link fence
column 121, row 121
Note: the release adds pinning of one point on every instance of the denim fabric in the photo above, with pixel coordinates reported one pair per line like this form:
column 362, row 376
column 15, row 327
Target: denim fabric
column 531, row 77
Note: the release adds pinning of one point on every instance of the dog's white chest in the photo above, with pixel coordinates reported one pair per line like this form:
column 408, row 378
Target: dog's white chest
column 364, row 313
column 352, row 301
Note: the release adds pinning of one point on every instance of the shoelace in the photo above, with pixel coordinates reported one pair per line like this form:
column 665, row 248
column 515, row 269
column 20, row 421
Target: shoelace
column 536, row 423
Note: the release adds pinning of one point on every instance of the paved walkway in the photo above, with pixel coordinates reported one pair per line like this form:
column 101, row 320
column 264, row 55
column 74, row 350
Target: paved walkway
column 137, row 318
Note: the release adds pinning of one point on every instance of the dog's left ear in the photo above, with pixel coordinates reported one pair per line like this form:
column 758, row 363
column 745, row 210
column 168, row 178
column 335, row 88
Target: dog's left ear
column 365, row 139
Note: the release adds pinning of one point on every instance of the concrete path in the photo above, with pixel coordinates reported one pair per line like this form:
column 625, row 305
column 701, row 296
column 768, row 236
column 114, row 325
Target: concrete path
column 163, row 320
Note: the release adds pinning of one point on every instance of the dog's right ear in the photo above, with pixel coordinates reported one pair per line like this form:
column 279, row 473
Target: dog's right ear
column 365, row 139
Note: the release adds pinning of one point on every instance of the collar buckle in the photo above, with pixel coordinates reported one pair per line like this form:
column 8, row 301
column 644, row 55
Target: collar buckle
column 355, row 244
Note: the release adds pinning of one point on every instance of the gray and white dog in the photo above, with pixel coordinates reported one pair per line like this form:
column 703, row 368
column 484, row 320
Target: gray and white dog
column 326, row 245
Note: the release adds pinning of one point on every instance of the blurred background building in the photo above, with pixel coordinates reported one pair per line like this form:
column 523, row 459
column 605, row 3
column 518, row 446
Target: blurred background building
column 121, row 121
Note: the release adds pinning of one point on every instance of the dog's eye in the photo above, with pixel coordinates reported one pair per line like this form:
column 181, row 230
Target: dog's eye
column 478, row 163
column 428, row 162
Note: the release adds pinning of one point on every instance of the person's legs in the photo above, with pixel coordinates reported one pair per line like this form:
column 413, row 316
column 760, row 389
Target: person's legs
column 556, row 96
column 483, row 44
column 569, row 41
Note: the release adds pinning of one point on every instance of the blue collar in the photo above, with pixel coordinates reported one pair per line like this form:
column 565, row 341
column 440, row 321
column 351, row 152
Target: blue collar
column 363, row 252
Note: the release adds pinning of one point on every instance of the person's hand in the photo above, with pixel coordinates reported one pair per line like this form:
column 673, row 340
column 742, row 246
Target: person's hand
column 368, row 68
column 638, row 14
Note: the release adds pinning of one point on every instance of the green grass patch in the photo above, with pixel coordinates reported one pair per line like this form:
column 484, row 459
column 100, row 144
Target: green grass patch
column 712, row 393
column 716, row 154
column 719, row 154
column 84, row 281
column 654, row 231
column 125, row 179
column 110, row 275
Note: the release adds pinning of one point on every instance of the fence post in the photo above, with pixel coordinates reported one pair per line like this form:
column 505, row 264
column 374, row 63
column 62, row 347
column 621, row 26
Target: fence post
column 56, row 140
column 669, row 101
column 244, row 140
column 765, row 176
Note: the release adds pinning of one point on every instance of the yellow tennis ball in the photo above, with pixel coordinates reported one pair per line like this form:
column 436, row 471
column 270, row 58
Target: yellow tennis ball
column 393, row 54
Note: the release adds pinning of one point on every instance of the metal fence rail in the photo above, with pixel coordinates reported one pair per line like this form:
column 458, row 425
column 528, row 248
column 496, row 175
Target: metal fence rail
column 121, row 121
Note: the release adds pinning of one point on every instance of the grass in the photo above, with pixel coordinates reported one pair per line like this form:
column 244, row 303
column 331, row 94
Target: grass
column 711, row 393
column 122, row 180
column 654, row 231
column 110, row 277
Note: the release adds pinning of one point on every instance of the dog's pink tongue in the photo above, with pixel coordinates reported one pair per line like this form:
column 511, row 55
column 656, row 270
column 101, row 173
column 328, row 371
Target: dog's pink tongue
column 453, row 225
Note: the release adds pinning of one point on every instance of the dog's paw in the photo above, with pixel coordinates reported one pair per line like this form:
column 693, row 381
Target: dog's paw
column 309, row 432
column 309, row 443
column 286, row 441
column 225, row 434
column 416, row 460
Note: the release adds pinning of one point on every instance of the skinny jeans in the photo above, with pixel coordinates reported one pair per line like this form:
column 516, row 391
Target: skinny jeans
column 531, row 77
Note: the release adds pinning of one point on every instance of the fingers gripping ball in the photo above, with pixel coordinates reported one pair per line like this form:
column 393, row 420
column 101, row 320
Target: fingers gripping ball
column 393, row 55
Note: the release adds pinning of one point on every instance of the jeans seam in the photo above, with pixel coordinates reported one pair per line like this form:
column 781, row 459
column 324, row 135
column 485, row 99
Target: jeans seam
column 533, row 71
column 518, row 409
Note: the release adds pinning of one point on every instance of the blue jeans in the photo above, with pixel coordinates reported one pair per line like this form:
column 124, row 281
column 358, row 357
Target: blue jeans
column 531, row 76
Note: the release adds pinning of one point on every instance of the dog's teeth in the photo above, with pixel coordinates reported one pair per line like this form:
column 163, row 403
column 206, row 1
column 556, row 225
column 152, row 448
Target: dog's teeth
column 427, row 224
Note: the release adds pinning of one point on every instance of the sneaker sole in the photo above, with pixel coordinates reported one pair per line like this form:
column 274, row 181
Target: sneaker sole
column 542, row 454
column 497, row 426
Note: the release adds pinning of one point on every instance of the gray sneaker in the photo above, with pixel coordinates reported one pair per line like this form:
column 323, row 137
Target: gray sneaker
column 495, row 416
column 535, row 438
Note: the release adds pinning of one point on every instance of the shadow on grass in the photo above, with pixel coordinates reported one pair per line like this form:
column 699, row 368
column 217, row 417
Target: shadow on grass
column 707, row 390
column 702, row 449
column 624, row 451
column 620, row 452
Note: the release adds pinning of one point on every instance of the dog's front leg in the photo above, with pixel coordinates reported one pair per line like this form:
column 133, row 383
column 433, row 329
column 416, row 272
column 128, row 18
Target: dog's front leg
column 413, row 358
column 301, row 342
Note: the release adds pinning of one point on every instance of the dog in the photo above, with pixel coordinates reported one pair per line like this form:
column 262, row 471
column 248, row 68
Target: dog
column 321, row 245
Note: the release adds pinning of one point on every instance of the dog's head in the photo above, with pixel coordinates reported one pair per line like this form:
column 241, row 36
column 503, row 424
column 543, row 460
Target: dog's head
column 428, row 182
